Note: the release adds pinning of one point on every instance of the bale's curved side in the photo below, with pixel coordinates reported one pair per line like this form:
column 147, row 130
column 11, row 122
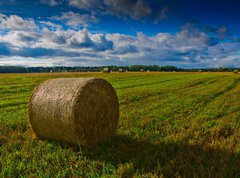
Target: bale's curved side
column 101, row 111
column 76, row 110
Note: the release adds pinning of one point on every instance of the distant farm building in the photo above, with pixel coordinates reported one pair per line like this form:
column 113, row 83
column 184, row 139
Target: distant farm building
column 235, row 71
column 121, row 70
column 148, row 70
column 142, row 70
column 106, row 70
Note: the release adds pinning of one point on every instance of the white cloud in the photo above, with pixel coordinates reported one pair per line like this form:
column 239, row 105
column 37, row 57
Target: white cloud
column 14, row 22
column 71, row 41
column 19, row 39
column 50, row 25
column 76, row 20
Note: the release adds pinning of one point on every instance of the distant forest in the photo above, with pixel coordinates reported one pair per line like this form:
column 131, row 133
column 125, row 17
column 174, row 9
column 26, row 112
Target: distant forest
column 19, row 69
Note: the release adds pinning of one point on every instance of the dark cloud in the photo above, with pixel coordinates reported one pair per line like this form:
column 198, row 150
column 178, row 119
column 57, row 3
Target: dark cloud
column 43, row 52
column 57, row 37
column 83, row 42
column 35, row 52
column 126, row 49
column 104, row 44
column 162, row 14
column 29, row 38
column 136, row 9
column 217, row 33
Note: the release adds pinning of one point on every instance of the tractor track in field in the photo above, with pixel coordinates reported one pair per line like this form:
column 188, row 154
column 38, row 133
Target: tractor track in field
column 204, row 102
column 12, row 104
column 155, row 83
column 208, row 101
column 223, row 92
column 21, row 90
column 196, row 83
column 145, row 84
column 146, row 95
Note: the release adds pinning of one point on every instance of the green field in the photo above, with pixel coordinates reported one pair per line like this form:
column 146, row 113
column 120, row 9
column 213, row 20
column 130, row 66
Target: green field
column 171, row 125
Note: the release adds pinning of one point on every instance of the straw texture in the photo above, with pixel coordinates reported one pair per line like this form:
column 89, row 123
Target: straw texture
column 76, row 110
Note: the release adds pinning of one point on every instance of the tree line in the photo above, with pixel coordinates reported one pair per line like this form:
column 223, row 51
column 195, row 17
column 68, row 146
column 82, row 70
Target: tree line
column 20, row 69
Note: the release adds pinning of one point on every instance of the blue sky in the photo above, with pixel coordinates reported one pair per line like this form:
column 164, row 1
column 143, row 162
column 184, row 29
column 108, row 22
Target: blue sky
column 183, row 33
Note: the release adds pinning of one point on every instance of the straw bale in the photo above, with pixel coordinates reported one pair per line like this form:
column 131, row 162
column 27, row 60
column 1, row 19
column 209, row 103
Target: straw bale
column 76, row 110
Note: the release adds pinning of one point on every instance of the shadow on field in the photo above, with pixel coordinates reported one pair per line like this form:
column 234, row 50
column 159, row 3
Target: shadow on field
column 167, row 159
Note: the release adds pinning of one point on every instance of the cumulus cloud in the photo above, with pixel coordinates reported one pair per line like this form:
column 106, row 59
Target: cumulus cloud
column 14, row 22
column 20, row 38
column 53, row 43
column 186, row 48
column 50, row 25
column 76, row 20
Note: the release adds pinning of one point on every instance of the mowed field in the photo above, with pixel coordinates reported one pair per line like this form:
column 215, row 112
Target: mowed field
column 171, row 125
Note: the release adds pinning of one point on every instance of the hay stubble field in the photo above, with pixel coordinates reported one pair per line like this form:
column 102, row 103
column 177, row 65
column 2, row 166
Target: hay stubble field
column 171, row 125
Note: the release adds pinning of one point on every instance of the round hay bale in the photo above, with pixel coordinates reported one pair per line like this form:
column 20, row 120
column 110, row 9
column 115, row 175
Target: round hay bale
column 82, row 111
